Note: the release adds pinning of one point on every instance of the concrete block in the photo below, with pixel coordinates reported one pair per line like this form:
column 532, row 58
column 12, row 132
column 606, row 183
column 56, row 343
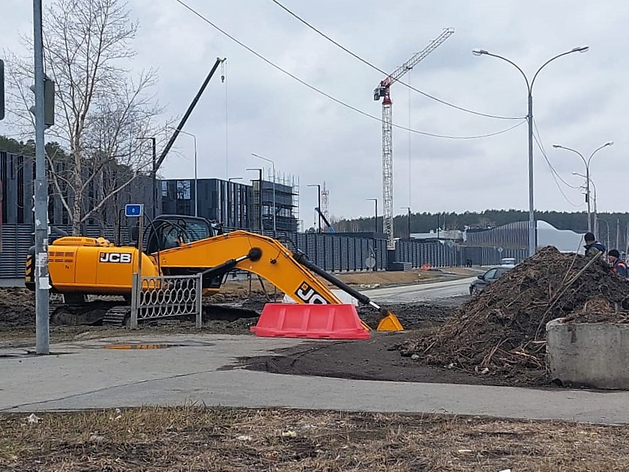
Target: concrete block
column 588, row 354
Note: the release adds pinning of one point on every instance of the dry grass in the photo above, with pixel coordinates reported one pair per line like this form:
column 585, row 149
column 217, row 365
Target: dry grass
column 194, row 438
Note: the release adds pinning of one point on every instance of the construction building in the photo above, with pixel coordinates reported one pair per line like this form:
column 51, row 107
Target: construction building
column 235, row 205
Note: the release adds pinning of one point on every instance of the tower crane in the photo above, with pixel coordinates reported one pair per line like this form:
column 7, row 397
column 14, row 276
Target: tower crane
column 382, row 91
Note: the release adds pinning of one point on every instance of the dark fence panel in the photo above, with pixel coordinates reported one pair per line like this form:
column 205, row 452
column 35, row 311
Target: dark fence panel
column 16, row 241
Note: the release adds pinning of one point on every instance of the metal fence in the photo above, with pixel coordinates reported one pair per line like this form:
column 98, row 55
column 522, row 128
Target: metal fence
column 171, row 296
column 16, row 241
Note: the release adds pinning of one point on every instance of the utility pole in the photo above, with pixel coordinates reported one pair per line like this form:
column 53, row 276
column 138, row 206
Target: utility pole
column 153, row 174
column 42, row 280
column 318, row 204
column 259, row 215
column 408, row 220
column 375, row 201
column 154, row 178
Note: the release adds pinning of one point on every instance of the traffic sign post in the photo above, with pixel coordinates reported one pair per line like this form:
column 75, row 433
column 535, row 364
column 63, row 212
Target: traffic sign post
column 133, row 209
column 136, row 210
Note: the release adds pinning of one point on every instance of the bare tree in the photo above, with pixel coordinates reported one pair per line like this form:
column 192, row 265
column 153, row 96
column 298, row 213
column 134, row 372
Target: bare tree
column 101, row 109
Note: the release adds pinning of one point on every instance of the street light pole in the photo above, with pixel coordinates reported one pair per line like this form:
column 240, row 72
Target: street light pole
column 607, row 224
column 257, row 169
column 595, row 224
column 153, row 173
column 375, row 200
column 529, row 117
column 318, row 203
column 274, row 208
column 409, row 220
column 586, row 162
column 196, row 177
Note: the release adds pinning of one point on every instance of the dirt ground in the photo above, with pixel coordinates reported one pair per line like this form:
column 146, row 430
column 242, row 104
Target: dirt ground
column 237, row 307
column 196, row 438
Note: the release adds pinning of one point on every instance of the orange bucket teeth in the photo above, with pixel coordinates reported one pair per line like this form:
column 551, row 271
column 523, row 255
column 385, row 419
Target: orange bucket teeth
column 390, row 323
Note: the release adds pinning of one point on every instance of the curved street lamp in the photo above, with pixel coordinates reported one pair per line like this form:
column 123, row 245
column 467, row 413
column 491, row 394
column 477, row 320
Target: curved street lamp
column 589, row 179
column 318, row 204
column 274, row 208
column 587, row 173
column 375, row 201
column 606, row 224
column 529, row 117
column 196, row 172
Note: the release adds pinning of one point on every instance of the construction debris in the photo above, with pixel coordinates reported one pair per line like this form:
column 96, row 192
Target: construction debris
column 502, row 331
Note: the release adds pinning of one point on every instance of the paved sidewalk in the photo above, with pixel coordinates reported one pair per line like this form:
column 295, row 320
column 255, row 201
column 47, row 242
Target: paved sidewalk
column 201, row 369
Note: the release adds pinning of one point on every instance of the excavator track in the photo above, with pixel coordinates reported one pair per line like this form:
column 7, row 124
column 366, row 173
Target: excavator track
column 91, row 313
column 117, row 316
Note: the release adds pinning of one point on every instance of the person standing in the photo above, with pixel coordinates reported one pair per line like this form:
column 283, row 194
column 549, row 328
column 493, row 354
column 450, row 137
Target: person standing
column 618, row 266
column 592, row 246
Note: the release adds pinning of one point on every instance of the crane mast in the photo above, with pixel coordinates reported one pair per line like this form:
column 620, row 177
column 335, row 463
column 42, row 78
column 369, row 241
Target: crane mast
column 382, row 91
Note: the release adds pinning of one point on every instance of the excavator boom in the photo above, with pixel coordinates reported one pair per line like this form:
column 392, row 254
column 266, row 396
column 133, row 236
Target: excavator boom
column 276, row 263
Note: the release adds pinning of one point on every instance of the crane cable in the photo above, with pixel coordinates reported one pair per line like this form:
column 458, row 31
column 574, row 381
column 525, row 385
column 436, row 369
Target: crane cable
column 386, row 74
column 336, row 100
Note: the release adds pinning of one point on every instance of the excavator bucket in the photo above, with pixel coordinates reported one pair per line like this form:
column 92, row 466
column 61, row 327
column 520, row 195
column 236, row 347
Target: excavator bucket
column 390, row 323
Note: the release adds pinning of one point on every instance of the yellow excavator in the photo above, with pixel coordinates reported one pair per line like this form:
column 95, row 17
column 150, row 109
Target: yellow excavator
column 186, row 245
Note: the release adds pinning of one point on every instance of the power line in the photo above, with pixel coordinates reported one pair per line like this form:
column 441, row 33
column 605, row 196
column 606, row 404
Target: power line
column 540, row 144
column 330, row 97
column 364, row 61
column 554, row 173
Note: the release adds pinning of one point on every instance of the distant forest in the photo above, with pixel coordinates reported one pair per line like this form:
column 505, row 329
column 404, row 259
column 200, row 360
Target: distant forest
column 425, row 222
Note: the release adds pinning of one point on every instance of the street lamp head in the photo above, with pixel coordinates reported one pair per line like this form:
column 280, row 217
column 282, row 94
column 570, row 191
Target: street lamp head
column 581, row 49
column 609, row 143
column 557, row 145
column 479, row 52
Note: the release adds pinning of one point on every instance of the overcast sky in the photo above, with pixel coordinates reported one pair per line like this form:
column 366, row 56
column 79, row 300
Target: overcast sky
column 580, row 100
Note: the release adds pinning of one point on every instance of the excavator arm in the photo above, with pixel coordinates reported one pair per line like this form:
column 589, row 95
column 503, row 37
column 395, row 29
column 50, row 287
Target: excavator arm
column 268, row 258
column 274, row 262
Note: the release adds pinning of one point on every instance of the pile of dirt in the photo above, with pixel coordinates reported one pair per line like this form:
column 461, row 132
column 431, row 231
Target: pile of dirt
column 502, row 331
column 17, row 307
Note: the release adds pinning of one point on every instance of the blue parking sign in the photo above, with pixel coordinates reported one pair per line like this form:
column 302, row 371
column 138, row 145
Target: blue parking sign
column 133, row 209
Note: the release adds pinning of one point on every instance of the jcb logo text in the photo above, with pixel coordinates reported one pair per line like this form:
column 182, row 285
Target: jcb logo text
column 308, row 295
column 115, row 257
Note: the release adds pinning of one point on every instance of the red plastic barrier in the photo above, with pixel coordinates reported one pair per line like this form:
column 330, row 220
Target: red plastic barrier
column 310, row 321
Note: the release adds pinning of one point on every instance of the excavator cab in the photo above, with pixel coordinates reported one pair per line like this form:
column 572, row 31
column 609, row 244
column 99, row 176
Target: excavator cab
column 169, row 231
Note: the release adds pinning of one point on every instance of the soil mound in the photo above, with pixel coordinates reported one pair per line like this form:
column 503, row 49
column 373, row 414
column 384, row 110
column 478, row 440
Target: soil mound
column 502, row 331
column 17, row 307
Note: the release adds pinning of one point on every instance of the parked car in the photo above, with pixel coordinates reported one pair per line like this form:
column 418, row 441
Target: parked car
column 488, row 277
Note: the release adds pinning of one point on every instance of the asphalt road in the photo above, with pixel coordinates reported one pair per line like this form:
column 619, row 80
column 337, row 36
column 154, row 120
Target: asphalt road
column 421, row 292
column 205, row 369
